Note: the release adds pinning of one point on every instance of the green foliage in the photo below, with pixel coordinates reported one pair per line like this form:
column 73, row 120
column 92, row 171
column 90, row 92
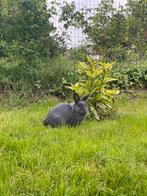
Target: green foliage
column 112, row 31
column 79, row 53
column 107, row 29
column 94, row 80
column 137, row 25
column 41, row 77
column 69, row 15
column 28, row 43
column 130, row 75
column 27, row 32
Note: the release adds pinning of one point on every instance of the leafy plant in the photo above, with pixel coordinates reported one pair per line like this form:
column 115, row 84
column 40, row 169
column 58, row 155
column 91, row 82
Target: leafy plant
column 129, row 75
column 94, row 81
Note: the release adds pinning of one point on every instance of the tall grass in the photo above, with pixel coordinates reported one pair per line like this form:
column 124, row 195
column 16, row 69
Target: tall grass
column 43, row 76
column 106, row 158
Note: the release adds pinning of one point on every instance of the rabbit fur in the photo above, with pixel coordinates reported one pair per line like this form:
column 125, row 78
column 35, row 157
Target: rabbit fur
column 67, row 113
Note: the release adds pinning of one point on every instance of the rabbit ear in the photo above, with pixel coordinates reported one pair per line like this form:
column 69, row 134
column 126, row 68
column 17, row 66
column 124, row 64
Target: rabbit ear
column 76, row 97
column 84, row 97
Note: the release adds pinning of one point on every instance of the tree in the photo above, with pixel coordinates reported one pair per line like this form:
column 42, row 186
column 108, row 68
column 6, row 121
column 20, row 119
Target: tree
column 137, row 25
column 111, row 31
column 27, row 30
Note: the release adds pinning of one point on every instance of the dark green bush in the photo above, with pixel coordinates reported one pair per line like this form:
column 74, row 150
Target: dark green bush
column 130, row 75
column 53, row 76
column 36, row 77
column 79, row 53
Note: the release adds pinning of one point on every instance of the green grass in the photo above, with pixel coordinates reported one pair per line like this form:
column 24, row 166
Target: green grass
column 95, row 158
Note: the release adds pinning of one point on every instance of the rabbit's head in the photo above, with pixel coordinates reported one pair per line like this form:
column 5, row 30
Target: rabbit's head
column 79, row 106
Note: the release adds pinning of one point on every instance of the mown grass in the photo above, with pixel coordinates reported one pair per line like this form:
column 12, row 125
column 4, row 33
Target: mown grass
column 95, row 158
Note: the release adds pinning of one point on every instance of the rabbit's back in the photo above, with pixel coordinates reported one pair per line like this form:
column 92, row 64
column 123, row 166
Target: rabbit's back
column 62, row 114
column 58, row 115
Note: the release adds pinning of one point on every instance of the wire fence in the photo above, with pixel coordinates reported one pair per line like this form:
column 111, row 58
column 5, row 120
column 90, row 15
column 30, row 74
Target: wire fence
column 75, row 36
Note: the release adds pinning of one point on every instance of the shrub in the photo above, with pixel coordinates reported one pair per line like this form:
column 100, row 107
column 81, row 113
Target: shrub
column 79, row 53
column 38, row 77
column 130, row 75
column 94, row 80
column 53, row 75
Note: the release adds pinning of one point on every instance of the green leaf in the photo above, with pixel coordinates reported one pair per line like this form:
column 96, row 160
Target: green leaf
column 94, row 74
column 109, row 79
column 109, row 106
column 89, row 60
column 102, row 106
column 74, row 87
column 106, row 65
column 98, row 97
column 111, row 92
column 94, row 113
column 81, row 67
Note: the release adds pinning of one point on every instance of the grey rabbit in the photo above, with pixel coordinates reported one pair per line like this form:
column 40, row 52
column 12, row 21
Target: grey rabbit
column 67, row 113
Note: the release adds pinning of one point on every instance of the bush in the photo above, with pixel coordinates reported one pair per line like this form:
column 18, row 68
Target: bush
column 36, row 77
column 79, row 53
column 116, row 53
column 94, row 79
column 130, row 75
column 52, row 76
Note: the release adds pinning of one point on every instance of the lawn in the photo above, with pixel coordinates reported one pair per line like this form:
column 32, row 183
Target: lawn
column 95, row 158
